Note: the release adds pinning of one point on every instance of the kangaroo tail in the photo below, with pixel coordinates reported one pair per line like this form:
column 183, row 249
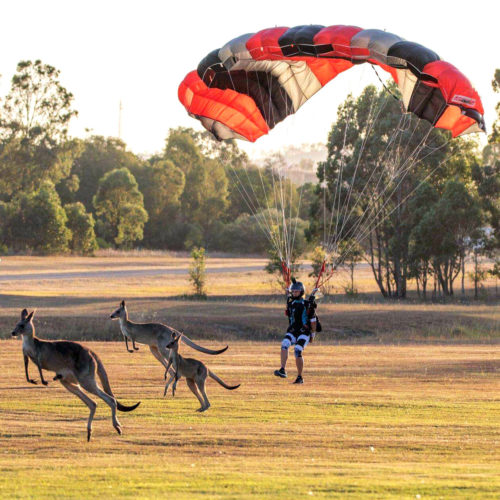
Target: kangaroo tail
column 101, row 372
column 200, row 348
column 121, row 407
column 221, row 382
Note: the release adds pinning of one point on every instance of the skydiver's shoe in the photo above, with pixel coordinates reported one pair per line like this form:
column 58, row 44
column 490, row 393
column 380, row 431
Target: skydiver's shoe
column 299, row 380
column 280, row 373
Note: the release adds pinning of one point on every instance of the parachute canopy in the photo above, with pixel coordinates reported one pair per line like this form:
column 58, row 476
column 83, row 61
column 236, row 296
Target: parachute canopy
column 255, row 81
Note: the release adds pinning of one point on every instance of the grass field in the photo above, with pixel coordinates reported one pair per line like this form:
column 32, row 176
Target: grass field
column 401, row 398
column 371, row 421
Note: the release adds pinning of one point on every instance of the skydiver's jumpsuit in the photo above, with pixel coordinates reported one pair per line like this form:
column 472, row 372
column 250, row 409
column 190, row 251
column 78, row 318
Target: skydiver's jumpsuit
column 298, row 333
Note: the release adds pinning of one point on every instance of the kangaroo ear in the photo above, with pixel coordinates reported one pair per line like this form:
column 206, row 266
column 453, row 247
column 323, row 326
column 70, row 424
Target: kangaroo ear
column 179, row 337
column 30, row 315
column 24, row 313
column 123, row 303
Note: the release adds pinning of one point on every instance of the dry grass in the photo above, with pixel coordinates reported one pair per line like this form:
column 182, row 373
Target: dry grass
column 241, row 304
column 258, row 319
column 220, row 284
column 371, row 421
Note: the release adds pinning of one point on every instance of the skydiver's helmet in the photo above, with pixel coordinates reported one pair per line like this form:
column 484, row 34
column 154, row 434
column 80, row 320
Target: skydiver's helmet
column 297, row 286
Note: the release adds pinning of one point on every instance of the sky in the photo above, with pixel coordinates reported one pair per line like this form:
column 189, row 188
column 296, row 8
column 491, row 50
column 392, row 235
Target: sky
column 137, row 53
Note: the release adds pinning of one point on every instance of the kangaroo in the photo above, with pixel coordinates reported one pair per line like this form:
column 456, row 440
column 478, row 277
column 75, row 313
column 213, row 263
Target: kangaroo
column 155, row 335
column 195, row 372
column 76, row 367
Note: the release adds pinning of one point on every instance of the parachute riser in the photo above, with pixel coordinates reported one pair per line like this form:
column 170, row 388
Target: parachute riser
column 287, row 275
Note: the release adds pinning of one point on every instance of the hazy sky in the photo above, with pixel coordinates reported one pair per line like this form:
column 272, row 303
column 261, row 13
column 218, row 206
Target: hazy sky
column 139, row 51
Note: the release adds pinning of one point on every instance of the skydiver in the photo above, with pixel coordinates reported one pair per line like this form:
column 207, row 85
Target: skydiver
column 301, row 330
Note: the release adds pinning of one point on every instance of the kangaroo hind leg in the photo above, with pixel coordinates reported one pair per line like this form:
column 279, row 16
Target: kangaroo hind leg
column 156, row 353
column 91, row 404
column 200, row 382
column 90, row 385
column 191, row 384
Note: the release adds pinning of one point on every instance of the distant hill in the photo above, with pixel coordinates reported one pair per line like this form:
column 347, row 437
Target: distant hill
column 301, row 161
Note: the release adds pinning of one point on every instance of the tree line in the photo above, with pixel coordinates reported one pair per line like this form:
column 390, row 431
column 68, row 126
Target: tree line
column 432, row 203
column 62, row 194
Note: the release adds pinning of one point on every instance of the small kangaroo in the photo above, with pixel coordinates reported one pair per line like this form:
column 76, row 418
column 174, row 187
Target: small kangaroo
column 195, row 372
column 76, row 367
column 155, row 335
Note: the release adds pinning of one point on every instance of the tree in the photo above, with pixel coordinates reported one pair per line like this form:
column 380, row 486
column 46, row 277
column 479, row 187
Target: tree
column 495, row 272
column 319, row 258
column 376, row 161
column 446, row 230
column 248, row 185
column 353, row 254
column 67, row 188
column 419, row 249
column 81, row 225
column 487, row 180
column 100, row 155
column 37, row 221
column 244, row 235
column 197, row 272
column 298, row 226
column 120, row 206
column 4, row 216
column 34, row 144
column 494, row 137
column 478, row 245
column 204, row 198
column 161, row 184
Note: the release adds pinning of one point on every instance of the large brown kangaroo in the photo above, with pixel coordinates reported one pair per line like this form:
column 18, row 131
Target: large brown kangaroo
column 195, row 372
column 75, row 366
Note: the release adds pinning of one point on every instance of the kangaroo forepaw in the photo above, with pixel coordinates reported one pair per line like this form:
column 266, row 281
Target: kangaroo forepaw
column 58, row 377
column 118, row 429
column 136, row 348
column 128, row 350
column 89, row 434
column 31, row 381
column 44, row 382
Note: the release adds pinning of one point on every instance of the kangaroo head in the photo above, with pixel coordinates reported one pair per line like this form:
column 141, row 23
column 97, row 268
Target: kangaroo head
column 25, row 326
column 174, row 343
column 121, row 312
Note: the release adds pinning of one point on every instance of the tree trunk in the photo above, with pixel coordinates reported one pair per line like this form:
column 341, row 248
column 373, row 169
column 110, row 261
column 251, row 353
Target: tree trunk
column 377, row 266
column 475, row 275
column 424, row 285
column 442, row 282
column 463, row 273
